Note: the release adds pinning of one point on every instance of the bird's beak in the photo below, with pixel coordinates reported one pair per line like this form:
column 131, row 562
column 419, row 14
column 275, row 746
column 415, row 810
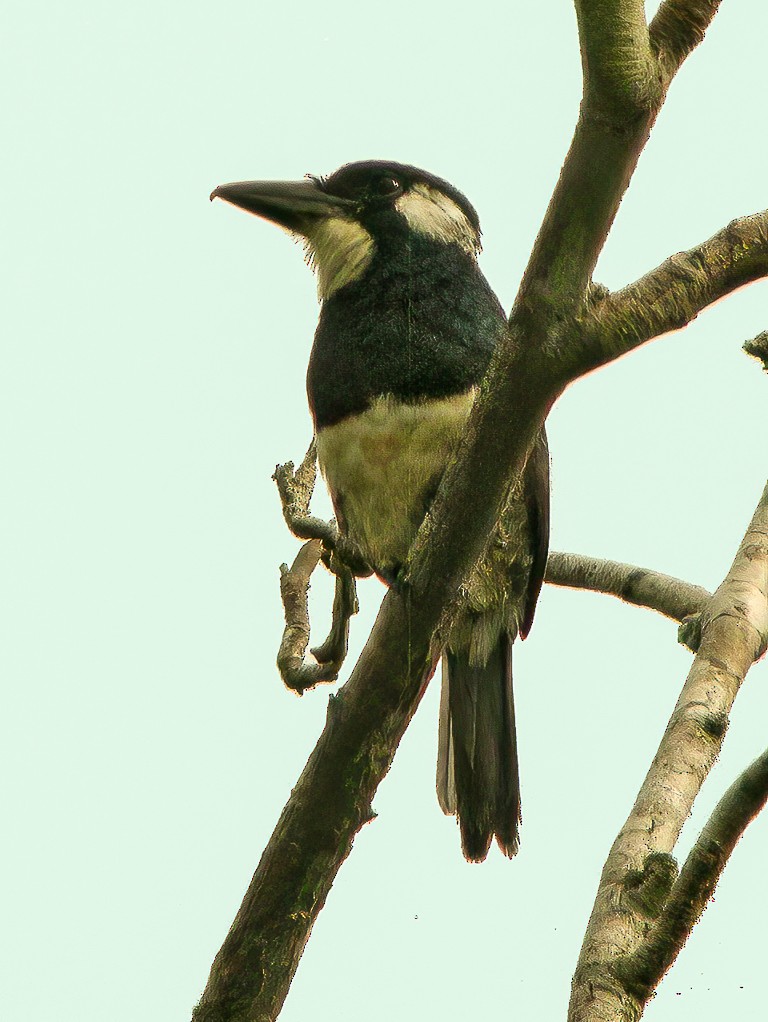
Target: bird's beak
column 295, row 205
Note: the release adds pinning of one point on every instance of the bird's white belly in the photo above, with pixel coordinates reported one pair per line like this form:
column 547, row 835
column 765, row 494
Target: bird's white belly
column 382, row 467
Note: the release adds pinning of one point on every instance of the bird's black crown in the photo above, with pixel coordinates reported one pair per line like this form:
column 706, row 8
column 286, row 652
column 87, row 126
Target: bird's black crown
column 370, row 182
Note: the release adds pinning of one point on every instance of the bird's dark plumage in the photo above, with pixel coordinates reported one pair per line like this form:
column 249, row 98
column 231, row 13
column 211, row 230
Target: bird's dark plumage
column 407, row 329
column 403, row 329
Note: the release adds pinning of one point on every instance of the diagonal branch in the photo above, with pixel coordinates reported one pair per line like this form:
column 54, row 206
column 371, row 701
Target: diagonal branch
column 699, row 877
column 674, row 293
column 641, row 587
column 253, row 970
column 734, row 635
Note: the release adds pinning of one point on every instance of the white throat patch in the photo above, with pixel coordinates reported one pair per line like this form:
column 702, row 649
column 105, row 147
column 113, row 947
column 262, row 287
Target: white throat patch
column 340, row 250
column 430, row 212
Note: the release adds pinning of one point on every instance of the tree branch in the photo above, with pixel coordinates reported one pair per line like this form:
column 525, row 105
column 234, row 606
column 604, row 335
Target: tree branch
column 734, row 635
column 329, row 656
column 698, row 879
column 294, row 586
column 677, row 29
column 323, row 543
column 619, row 69
column 674, row 293
column 641, row 587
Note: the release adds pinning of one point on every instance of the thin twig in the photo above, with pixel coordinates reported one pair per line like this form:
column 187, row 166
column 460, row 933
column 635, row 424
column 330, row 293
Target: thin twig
column 296, row 488
column 758, row 348
column 641, row 587
column 326, row 545
column 295, row 671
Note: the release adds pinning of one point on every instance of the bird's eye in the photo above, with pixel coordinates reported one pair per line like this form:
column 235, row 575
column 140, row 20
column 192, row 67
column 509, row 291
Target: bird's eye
column 388, row 186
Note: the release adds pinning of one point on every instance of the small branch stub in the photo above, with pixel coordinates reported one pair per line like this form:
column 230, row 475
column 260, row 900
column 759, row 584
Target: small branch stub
column 689, row 632
column 758, row 348
column 641, row 587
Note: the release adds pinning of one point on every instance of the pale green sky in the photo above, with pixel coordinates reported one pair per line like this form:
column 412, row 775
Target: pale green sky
column 153, row 376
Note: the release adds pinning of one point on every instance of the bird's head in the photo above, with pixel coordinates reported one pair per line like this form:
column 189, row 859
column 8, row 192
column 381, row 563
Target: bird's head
column 361, row 208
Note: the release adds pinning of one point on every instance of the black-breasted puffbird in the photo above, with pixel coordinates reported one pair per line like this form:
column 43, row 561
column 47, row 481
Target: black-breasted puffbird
column 408, row 324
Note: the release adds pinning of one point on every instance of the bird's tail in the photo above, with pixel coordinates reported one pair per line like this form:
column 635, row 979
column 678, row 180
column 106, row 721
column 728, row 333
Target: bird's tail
column 477, row 771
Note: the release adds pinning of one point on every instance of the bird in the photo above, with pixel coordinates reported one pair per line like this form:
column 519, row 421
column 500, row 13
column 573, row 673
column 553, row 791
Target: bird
column 407, row 328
